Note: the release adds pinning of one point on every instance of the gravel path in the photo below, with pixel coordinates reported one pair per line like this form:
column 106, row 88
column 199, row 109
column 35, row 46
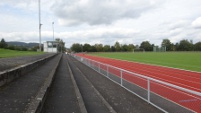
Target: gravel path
column 8, row 63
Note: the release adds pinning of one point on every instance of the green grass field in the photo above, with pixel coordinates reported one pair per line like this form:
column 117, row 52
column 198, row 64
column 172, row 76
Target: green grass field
column 182, row 60
column 5, row 53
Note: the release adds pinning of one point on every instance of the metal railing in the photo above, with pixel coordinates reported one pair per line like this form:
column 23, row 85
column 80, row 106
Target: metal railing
column 164, row 96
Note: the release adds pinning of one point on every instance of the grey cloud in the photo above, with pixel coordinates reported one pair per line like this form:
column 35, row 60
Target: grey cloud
column 178, row 24
column 100, row 35
column 29, row 5
column 197, row 23
column 94, row 12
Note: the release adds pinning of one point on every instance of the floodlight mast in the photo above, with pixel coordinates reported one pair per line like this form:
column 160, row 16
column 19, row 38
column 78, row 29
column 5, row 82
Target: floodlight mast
column 39, row 25
column 53, row 35
column 53, row 29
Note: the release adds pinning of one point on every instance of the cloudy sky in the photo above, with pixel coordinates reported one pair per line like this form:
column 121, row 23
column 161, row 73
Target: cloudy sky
column 101, row 21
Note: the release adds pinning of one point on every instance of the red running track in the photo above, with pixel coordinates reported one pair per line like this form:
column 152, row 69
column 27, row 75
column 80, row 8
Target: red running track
column 182, row 78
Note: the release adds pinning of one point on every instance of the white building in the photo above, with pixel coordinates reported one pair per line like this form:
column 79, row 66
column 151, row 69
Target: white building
column 50, row 47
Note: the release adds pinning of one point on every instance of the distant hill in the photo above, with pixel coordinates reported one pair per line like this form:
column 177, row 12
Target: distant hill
column 28, row 45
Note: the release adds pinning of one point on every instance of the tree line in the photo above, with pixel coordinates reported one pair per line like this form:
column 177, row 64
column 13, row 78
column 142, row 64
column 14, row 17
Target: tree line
column 4, row 45
column 183, row 45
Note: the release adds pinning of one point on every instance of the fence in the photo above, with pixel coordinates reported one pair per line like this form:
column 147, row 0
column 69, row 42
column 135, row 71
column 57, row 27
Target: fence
column 164, row 96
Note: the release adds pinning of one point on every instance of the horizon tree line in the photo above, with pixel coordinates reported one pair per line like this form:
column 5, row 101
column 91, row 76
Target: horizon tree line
column 4, row 45
column 183, row 45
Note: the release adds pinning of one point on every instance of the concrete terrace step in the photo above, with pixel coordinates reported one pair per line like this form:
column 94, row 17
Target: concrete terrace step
column 56, row 89
column 16, row 96
column 9, row 75
column 9, row 63
column 62, row 99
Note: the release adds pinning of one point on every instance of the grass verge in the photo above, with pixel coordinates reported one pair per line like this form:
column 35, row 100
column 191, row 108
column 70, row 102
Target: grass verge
column 5, row 53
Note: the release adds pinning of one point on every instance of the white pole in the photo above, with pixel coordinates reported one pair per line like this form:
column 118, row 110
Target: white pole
column 39, row 25
column 148, row 89
column 121, row 77
column 52, row 35
column 53, row 29
column 99, row 67
column 107, row 71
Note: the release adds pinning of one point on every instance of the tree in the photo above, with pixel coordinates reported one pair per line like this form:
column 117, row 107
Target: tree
column 124, row 47
column 146, row 46
column 137, row 47
column 117, row 46
column 99, row 47
column 131, row 47
column 173, row 48
column 24, row 49
column 11, row 47
column 185, row 45
column 76, row 47
column 35, row 48
column 87, row 47
column 176, row 46
column 166, row 43
column 106, row 48
column 93, row 48
column 197, row 46
column 61, row 45
column 113, row 49
column 18, row 48
column 3, row 43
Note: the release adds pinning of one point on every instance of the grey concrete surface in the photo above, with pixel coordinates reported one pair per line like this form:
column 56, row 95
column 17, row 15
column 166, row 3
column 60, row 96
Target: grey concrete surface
column 92, row 100
column 8, row 63
column 120, row 99
column 16, row 96
column 62, row 98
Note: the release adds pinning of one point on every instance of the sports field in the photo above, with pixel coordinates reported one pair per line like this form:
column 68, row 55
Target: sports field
column 182, row 60
column 5, row 53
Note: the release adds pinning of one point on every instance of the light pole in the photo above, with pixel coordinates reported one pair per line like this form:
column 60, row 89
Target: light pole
column 52, row 35
column 39, row 25
column 53, row 29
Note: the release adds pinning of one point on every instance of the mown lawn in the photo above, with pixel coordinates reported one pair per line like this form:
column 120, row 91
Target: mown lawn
column 182, row 60
column 5, row 53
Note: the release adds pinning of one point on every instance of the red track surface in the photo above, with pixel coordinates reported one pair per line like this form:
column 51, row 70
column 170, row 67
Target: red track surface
column 182, row 78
